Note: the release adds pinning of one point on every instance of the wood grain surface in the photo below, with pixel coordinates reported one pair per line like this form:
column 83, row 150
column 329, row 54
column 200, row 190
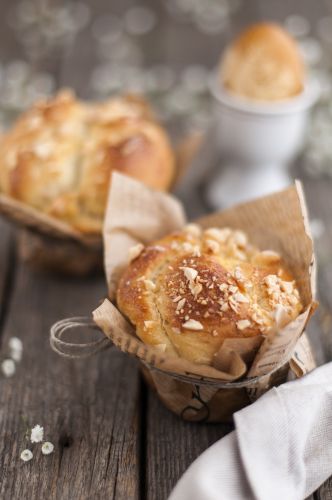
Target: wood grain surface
column 112, row 436
column 89, row 409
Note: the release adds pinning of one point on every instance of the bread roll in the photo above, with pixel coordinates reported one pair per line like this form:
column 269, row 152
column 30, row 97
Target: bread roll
column 190, row 291
column 59, row 155
column 263, row 63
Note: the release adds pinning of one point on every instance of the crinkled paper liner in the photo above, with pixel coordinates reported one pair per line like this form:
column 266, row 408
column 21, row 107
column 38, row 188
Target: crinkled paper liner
column 49, row 243
column 28, row 217
column 245, row 368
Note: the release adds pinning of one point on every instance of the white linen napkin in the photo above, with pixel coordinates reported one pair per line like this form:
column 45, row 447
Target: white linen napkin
column 281, row 447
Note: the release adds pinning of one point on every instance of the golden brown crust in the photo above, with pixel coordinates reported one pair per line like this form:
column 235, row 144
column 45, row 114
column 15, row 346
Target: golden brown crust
column 263, row 63
column 190, row 291
column 60, row 154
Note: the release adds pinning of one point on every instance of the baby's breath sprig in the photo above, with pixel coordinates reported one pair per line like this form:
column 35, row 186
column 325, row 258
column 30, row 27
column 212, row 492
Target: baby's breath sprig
column 26, row 455
column 14, row 355
column 36, row 435
column 47, row 448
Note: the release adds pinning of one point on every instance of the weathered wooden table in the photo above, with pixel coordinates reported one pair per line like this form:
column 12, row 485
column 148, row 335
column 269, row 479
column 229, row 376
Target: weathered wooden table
column 113, row 438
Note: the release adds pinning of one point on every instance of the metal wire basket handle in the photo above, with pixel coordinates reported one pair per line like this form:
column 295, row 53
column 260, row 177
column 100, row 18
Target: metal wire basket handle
column 77, row 350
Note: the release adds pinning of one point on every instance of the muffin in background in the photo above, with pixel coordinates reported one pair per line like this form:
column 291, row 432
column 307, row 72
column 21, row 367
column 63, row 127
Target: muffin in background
column 263, row 63
column 59, row 156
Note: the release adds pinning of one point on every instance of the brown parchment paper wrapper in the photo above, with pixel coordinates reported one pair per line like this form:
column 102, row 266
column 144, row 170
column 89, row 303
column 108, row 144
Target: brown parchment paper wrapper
column 49, row 243
column 243, row 369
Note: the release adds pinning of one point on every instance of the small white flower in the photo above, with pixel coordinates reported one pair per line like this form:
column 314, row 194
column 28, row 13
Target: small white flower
column 8, row 367
column 15, row 343
column 26, row 455
column 47, row 448
column 37, row 434
column 15, row 348
column 16, row 356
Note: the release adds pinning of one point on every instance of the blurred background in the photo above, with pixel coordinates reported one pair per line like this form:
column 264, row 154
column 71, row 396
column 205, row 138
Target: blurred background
column 165, row 49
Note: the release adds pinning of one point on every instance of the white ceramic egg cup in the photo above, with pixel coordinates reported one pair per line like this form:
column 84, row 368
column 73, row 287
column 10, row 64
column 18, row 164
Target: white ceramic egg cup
column 257, row 141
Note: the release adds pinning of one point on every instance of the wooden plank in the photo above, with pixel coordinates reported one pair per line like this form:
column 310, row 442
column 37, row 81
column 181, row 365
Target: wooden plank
column 9, row 50
column 325, row 491
column 89, row 408
column 171, row 446
column 320, row 205
column 318, row 195
column 10, row 47
column 7, row 266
